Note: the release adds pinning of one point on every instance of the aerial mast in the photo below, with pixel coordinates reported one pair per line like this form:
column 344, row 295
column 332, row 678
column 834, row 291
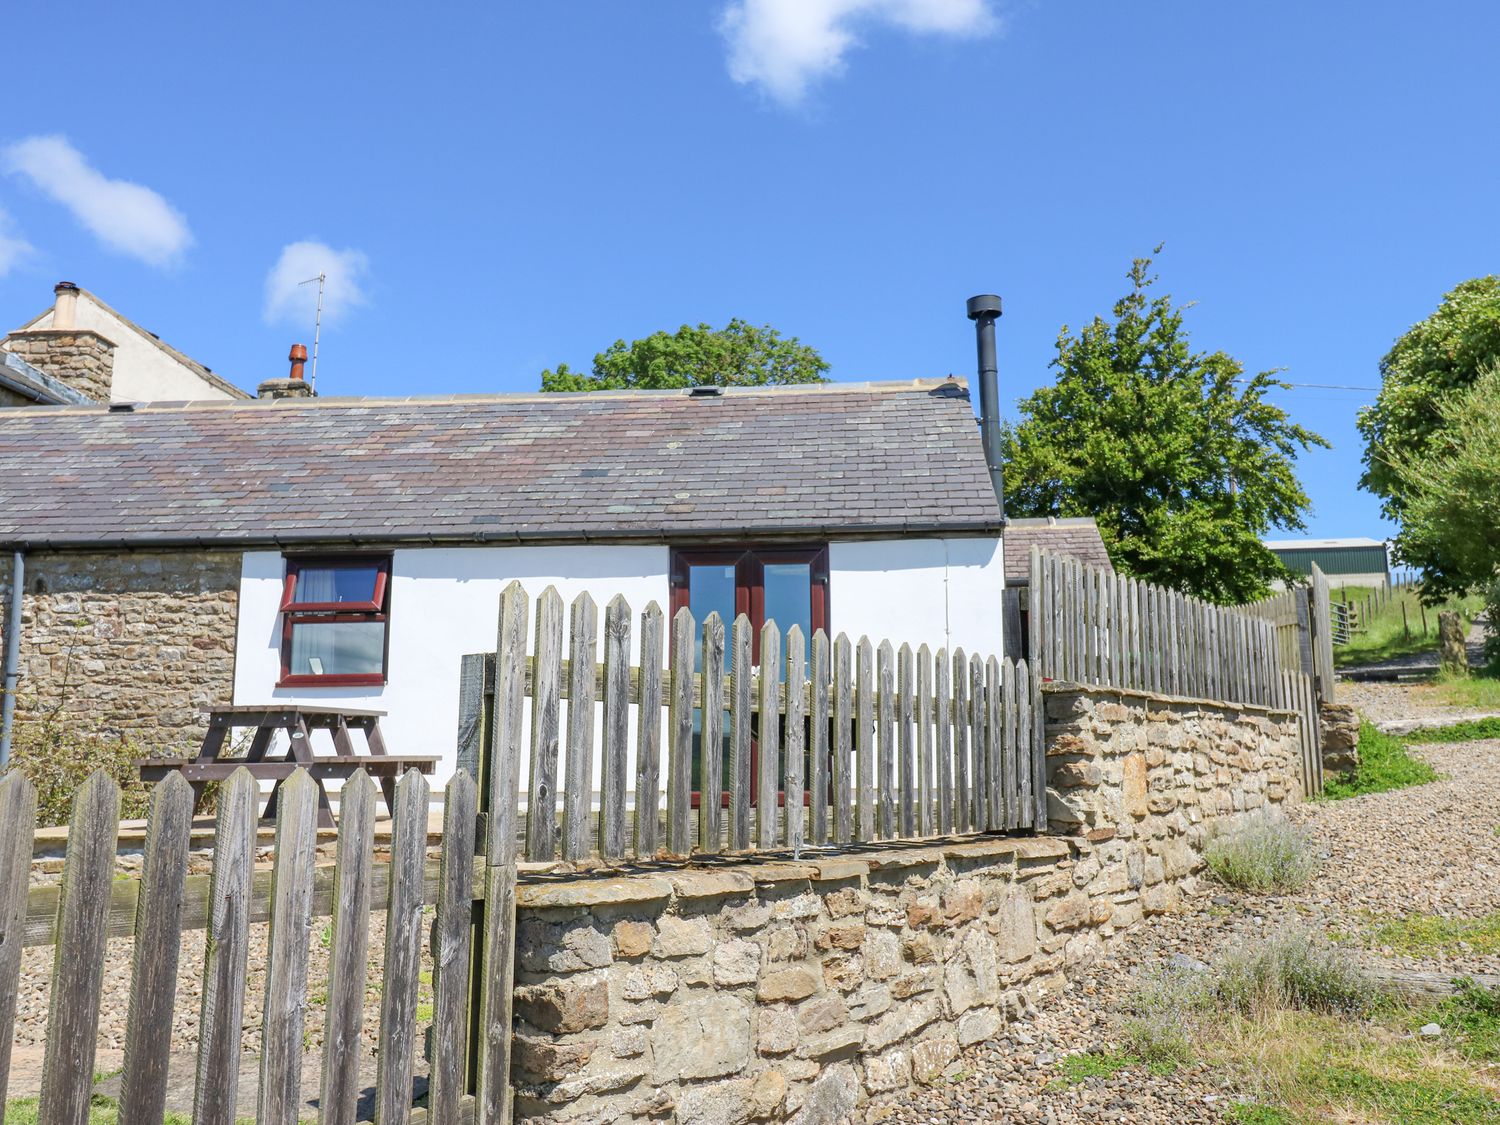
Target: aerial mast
column 322, row 280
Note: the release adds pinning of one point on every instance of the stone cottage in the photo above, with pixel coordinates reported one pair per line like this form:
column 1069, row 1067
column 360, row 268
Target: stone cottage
column 181, row 555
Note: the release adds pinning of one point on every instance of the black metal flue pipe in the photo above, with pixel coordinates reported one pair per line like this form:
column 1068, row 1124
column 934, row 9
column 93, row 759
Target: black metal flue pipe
column 984, row 310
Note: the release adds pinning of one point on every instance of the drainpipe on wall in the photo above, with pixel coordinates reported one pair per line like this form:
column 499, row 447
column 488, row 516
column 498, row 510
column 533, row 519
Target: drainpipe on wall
column 12, row 656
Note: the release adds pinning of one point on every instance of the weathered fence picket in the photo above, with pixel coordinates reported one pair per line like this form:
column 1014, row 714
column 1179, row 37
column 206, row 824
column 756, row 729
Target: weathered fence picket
column 348, row 947
column 78, row 967
column 227, row 945
column 396, row 1054
column 648, row 733
column 17, row 830
column 452, row 937
column 158, row 945
column 578, row 786
column 819, row 750
column 796, row 668
column 285, row 1008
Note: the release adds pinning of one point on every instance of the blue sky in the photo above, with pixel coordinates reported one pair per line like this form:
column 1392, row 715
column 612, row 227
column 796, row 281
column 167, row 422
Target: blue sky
column 499, row 188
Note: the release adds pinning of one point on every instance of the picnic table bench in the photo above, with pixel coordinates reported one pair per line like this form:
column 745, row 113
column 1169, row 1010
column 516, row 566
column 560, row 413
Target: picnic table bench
column 267, row 761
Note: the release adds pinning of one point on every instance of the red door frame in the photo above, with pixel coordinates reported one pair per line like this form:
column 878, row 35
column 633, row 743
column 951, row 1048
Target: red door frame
column 750, row 599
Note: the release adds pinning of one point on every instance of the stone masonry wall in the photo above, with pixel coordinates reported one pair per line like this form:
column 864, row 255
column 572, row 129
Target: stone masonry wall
column 79, row 357
column 1147, row 778
column 129, row 644
column 785, row 990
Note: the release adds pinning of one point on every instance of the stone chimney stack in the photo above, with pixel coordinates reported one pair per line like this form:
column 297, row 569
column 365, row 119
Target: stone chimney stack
column 293, row 386
column 79, row 357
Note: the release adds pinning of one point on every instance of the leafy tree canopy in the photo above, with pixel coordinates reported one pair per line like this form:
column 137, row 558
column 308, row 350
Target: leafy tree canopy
column 1450, row 489
column 1178, row 456
column 739, row 355
column 1434, row 361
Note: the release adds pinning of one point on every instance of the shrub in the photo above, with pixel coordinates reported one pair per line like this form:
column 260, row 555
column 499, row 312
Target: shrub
column 1167, row 1012
column 1266, row 854
column 57, row 755
column 1181, row 1005
column 1291, row 970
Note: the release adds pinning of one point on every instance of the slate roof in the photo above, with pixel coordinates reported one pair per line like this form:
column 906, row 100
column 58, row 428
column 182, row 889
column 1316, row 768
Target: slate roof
column 832, row 460
column 1075, row 537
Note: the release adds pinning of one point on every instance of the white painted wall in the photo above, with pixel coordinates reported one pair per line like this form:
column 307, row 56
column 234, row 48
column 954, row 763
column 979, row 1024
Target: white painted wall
column 143, row 371
column 445, row 603
column 937, row 592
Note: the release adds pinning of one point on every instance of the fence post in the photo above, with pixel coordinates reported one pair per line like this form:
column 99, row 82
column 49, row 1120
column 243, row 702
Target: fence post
column 497, row 969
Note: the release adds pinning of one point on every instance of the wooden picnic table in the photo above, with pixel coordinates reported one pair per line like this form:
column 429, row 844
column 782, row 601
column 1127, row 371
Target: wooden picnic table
column 267, row 761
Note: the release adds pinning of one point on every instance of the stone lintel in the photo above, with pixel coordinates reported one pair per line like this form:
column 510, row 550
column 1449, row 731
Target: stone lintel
column 594, row 892
column 981, row 849
column 1041, row 847
column 906, row 857
column 782, row 872
column 710, row 883
column 830, row 870
column 50, row 334
column 1068, row 687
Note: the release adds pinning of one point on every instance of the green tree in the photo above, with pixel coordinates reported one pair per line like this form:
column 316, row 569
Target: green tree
column 1176, row 453
column 1450, row 496
column 739, row 355
column 1435, row 360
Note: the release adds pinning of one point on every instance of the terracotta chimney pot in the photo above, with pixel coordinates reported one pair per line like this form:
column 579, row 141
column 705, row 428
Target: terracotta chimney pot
column 298, row 356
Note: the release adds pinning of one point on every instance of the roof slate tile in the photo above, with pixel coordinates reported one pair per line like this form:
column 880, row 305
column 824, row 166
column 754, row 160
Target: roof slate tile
column 864, row 458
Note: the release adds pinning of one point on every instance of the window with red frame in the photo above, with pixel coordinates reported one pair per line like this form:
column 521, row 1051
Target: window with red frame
column 334, row 613
column 785, row 585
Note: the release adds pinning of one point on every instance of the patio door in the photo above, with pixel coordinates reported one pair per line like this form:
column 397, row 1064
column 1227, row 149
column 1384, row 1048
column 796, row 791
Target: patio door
column 785, row 585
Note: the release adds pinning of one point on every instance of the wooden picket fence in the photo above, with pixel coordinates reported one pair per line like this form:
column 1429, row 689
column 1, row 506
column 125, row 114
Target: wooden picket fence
column 1090, row 625
column 880, row 743
column 90, row 906
column 854, row 743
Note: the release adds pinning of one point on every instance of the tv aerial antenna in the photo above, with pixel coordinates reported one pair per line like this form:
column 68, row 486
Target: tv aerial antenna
column 322, row 280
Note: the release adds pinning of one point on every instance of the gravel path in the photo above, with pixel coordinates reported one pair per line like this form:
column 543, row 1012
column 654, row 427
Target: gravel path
column 1429, row 849
column 1419, row 663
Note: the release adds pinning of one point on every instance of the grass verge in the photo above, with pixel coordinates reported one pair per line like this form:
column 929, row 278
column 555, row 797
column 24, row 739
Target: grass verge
column 1386, row 635
column 1477, row 691
column 1431, row 933
column 1469, row 730
column 1300, row 1026
column 1384, row 764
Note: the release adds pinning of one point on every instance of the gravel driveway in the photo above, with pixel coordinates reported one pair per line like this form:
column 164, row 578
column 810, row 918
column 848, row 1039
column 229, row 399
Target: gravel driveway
column 1428, row 849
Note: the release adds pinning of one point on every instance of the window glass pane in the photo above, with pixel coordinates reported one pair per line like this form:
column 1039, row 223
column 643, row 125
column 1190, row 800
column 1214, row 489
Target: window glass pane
column 711, row 589
column 789, row 598
column 337, row 648
column 321, row 584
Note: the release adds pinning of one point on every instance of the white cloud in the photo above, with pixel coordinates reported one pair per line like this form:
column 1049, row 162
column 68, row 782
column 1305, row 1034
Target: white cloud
column 128, row 217
column 12, row 246
column 289, row 300
column 784, row 45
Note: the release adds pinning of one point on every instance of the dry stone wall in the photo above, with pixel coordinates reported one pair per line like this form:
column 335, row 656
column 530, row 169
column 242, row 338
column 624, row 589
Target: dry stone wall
column 130, row 644
column 787, row 990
